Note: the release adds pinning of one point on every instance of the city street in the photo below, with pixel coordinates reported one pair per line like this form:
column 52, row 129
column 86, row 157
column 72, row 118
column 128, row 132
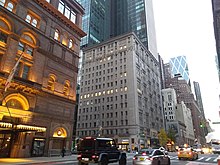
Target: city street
column 206, row 159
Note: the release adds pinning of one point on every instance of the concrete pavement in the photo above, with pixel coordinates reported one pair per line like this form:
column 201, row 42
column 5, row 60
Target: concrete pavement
column 39, row 160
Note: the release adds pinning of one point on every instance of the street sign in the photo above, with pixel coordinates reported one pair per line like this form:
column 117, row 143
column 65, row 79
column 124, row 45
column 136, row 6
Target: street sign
column 216, row 122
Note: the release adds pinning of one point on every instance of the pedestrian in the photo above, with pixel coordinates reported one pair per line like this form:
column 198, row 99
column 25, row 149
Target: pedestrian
column 63, row 152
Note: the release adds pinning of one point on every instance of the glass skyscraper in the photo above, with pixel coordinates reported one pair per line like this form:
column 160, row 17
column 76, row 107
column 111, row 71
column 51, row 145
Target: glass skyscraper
column 95, row 22
column 104, row 19
column 179, row 67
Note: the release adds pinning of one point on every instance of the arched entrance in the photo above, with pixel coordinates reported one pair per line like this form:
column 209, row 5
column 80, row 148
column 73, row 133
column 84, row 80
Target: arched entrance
column 58, row 141
column 16, row 129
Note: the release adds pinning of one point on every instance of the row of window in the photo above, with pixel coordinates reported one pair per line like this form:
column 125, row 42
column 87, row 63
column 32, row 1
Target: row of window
column 103, row 93
column 51, row 85
column 107, row 123
column 102, row 72
column 34, row 20
column 110, row 106
column 102, row 132
column 107, row 115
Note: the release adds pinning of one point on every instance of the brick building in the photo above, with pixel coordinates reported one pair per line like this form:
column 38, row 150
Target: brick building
column 37, row 110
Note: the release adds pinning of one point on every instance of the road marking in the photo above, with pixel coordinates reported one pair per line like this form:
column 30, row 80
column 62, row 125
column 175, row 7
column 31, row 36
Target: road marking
column 208, row 159
column 215, row 160
column 201, row 158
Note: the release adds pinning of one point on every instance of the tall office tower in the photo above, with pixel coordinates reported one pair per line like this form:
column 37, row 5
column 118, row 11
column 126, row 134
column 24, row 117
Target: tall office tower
column 120, row 93
column 96, row 21
column 200, row 105
column 41, row 38
column 119, row 17
column 179, row 67
column 184, row 93
column 216, row 15
column 178, row 118
column 198, row 96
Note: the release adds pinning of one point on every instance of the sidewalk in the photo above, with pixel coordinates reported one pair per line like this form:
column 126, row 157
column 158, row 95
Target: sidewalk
column 37, row 160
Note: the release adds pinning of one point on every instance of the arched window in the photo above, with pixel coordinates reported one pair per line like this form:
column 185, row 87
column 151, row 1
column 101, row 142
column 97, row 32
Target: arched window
column 57, row 35
column 2, row 2
column 34, row 23
column 66, row 88
column 71, row 44
column 51, row 82
column 32, row 19
column 65, row 39
column 26, row 43
column 28, row 18
column 6, row 28
column 10, row 6
column 17, row 101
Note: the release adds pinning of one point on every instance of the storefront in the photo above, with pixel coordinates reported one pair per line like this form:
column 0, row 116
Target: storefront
column 15, row 140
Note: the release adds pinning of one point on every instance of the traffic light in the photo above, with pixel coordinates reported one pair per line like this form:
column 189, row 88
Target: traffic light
column 201, row 125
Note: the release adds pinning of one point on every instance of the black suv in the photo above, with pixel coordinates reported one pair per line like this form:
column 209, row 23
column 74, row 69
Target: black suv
column 99, row 150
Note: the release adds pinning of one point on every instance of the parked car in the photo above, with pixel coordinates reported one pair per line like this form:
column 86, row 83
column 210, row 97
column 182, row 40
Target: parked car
column 99, row 150
column 151, row 157
column 187, row 153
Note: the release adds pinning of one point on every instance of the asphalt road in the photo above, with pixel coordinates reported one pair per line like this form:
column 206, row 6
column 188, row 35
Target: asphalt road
column 204, row 159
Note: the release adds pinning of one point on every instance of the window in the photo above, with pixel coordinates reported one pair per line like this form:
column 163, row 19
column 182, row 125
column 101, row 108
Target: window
column 22, row 70
column 51, row 82
column 57, row 35
column 66, row 88
column 73, row 17
column 61, row 6
column 25, row 71
column 71, row 44
column 3, row 37
column 8, row 4
column 21, row 46
column 32, row 19
column 67, row 11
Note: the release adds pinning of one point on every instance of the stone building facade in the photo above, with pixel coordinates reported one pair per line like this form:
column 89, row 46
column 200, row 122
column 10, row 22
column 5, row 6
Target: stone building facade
column 37, row 110
column 120, row 93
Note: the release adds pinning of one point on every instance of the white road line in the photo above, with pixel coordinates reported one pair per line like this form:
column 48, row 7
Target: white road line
column 201, row 158
column 208, row 159
column 215, row 160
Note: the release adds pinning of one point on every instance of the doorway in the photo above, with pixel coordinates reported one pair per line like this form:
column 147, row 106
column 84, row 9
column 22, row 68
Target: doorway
column 5, row 140
column 38, row 147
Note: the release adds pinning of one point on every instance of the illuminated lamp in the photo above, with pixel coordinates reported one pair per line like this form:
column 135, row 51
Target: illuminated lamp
column 59, row 132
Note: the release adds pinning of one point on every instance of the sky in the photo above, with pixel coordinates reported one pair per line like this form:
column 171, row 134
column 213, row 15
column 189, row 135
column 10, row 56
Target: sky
column 185, row 27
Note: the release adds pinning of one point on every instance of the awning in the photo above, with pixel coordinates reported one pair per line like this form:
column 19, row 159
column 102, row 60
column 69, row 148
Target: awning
column 5, row 126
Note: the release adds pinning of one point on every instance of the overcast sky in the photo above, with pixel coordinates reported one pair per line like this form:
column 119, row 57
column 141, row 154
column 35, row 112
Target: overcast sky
column 185, row 27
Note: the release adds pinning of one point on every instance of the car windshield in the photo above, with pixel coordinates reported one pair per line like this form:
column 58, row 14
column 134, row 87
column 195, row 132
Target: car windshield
column 146, row 151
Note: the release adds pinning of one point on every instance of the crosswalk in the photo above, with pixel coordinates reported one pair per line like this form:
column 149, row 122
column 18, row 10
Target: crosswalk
column 201, row 159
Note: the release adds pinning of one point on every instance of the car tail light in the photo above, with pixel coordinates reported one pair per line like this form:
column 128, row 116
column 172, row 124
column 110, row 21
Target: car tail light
column 79, row 157
column 144, row 154
column 190, row 153
column 134, row 158
column 150, row 159
column 178, row 152
column 93, row 156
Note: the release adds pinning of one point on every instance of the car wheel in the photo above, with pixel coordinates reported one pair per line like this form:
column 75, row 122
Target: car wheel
column 169, row 162
column 179, row 158
column 104, row 161
column 122, row 161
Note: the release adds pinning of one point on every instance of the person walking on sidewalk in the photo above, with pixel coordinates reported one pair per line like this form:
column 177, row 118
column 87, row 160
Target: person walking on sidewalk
column 63, row 151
